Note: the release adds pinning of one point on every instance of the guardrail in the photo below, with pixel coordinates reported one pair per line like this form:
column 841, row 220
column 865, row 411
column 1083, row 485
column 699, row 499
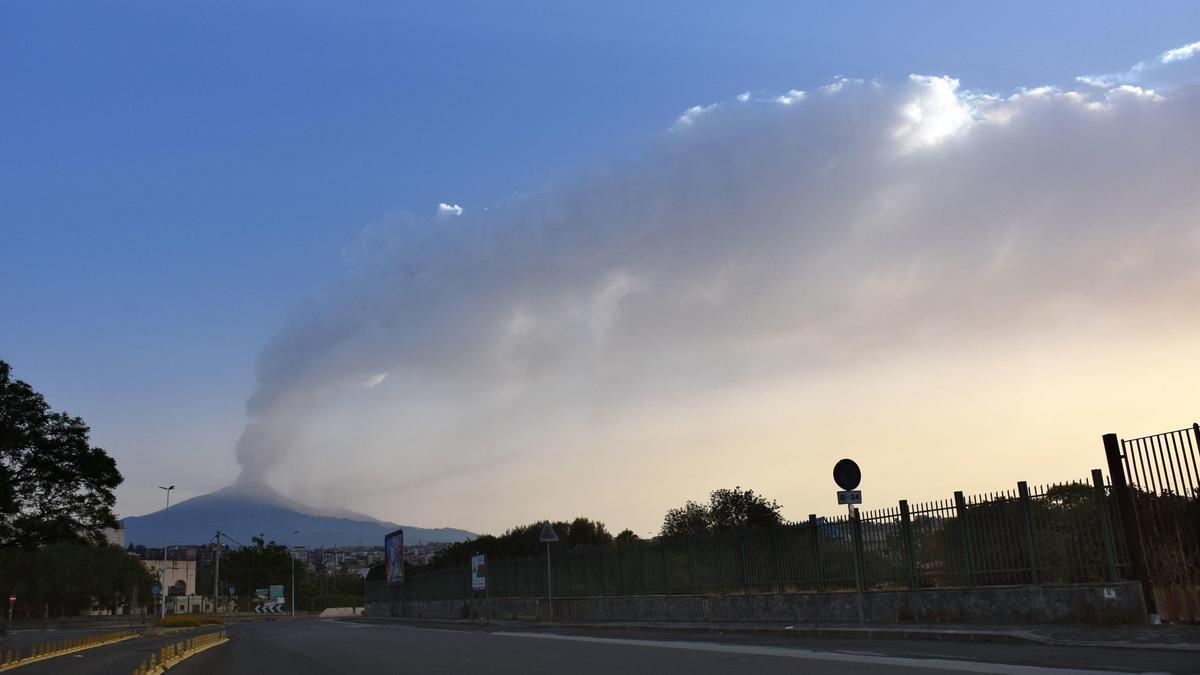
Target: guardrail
column 14, row 658
column 174, row 653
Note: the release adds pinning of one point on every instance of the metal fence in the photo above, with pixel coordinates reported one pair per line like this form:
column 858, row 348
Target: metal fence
column 1157, row 479
column 1059, row 533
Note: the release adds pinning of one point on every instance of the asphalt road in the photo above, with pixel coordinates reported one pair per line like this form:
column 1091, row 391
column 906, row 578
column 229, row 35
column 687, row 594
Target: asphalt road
column 316, row 646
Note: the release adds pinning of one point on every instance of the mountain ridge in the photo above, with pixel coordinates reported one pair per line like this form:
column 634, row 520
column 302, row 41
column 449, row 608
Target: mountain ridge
column 246, row 509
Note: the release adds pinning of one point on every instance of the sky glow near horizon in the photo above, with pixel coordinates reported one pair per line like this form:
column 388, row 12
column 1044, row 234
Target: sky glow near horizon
column 957, row 285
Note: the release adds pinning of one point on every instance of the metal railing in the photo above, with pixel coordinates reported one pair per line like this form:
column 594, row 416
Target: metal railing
column 1058, row 533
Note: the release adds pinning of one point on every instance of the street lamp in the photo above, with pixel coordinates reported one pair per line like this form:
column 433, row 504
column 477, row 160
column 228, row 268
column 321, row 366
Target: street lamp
column 164, row 567
column 293, row 554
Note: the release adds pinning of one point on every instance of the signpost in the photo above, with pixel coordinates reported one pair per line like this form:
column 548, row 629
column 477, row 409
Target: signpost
column 479, row 572
column 549, row 536
column 847, row 475
column 12, row 600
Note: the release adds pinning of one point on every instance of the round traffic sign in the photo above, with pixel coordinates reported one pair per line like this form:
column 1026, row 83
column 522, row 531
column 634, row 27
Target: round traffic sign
column 846, row 474
column 12, row 599
column 155, row 590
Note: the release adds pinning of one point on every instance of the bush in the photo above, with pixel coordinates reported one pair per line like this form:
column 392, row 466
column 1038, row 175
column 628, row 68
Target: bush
column 189, row 621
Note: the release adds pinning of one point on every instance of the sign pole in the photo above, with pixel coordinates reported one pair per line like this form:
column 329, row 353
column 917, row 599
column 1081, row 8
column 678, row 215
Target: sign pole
column 859, row 582
column 548, row 537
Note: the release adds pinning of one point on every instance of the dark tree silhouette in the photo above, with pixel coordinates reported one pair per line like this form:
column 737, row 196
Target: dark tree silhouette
column 54, row 485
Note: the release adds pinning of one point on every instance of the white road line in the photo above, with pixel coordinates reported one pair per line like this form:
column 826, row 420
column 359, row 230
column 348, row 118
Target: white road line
column 808, row 654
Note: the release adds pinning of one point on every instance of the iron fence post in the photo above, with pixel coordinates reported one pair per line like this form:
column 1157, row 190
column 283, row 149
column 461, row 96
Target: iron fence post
column 1030, row 533
column 687, row 538
column 745, row 568
column 620, row 569
column 717, row 558
column 815, row 535
column 960, row 507
column 909, row 549
column 1110, row 547
column 778, row 557
column 1129, row 522
column 662, row 549
column 642, row 561
column 860, row 568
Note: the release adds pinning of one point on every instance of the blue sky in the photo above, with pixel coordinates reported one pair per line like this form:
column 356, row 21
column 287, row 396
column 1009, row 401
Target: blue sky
column 176, row 178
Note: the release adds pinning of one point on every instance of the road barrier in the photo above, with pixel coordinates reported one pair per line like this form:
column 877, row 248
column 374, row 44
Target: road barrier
column 174, row 653
column 14, row 658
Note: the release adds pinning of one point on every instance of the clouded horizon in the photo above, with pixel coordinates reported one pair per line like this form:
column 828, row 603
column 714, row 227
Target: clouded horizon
column 959, row 286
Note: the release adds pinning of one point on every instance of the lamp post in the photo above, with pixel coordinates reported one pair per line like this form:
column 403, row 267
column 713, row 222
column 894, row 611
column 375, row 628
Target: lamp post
column 164, row 567
column 292, row 553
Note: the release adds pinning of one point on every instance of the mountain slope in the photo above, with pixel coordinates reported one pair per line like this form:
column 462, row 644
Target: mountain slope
column 246, row 510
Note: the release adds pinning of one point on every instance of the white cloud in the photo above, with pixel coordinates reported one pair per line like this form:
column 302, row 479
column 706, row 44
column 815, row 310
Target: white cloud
column 793, row 96
column 444, row 209
column 689, row 117
column 374, row 380
column 933, row 113
column 1162, row 71
column 1180, row 53
column 769, row 246
column 744, row 96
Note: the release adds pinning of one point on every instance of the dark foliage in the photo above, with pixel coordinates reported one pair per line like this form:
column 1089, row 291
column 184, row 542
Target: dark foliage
column 54, row 486
column 726, row 509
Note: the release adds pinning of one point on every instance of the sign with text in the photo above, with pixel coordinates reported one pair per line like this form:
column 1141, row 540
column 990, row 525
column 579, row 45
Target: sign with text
column 478, row 572
column 849, row 496
column 276, row 590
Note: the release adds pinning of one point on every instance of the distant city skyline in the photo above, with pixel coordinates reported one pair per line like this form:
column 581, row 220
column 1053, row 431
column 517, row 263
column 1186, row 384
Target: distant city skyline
column 474, row 267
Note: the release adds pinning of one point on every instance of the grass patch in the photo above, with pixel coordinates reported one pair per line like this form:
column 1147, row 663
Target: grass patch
column 189, row 621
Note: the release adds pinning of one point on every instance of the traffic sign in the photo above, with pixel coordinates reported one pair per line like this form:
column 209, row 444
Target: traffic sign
column 846, row 474
column 12, row 599
column 849, row 496
column 155, row 590
column 232, row 590
column 549, row 536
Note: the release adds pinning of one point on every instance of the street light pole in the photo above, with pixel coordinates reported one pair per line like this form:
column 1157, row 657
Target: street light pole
column 163, row 595
column 292, row 552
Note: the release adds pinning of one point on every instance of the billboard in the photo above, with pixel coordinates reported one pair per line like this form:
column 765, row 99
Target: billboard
column 393, row 556
column 478, row 573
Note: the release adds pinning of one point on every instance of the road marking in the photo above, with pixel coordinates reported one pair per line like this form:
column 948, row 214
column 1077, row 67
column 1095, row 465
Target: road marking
column 808, row 654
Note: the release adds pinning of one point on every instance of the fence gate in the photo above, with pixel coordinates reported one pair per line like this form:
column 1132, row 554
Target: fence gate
column 1156, row 481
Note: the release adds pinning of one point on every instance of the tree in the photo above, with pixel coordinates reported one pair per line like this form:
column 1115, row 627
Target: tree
column 726, row 509
column 54, row 485
column 627, row 536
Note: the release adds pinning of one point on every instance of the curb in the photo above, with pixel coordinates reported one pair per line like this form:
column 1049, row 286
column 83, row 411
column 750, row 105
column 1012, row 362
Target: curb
column 950, row 635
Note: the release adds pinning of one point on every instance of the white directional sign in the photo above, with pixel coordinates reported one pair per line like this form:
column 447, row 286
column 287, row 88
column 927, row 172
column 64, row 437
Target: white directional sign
column 849, row 496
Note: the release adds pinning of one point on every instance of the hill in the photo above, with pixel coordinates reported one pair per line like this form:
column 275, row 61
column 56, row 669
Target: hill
column 245, row 510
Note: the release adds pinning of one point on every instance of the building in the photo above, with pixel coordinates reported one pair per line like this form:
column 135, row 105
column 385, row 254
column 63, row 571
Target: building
column 180, row 578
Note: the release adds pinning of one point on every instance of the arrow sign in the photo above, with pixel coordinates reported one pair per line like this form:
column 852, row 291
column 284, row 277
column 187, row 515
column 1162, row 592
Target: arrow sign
column 549, row 536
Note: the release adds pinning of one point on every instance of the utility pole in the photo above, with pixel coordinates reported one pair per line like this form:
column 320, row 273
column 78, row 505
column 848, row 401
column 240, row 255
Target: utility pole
column 217, row 576
column 163, row 596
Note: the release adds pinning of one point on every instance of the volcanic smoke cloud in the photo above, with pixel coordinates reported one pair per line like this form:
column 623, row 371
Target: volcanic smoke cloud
column 766, row 238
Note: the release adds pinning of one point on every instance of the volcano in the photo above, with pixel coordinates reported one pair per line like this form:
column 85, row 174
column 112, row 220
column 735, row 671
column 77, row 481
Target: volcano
column 246, row 510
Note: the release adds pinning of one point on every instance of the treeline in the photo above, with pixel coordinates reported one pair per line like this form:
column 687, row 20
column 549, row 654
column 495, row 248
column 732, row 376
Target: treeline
column 725, row 509
column 263, row 564
column 56, row 497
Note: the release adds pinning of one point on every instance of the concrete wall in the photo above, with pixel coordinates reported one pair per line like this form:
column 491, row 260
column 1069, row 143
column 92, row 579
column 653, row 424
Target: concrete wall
column 1077, row 603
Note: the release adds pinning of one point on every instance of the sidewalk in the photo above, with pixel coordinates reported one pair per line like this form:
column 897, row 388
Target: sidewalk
column 1170, row 637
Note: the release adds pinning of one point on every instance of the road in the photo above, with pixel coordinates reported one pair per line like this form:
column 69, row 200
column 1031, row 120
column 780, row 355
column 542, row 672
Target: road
column 317, row 646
